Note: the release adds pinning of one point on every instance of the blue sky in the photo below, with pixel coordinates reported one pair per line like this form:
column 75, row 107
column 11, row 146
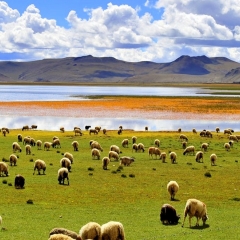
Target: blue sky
column 143, row 30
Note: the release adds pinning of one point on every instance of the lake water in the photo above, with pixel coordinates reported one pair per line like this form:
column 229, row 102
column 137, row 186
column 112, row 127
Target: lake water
column 50, row 93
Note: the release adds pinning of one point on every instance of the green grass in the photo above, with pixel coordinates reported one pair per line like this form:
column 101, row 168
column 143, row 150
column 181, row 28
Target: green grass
column 132, row 195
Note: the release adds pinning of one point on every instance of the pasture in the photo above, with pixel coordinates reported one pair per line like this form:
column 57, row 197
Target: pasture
column 132, row 195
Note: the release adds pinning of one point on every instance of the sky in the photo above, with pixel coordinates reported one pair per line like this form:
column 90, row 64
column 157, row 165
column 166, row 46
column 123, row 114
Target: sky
column 136, row 30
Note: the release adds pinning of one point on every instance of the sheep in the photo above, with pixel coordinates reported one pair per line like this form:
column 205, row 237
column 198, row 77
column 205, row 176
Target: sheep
column 64, row 232
column 179, row 130
column 231, row 143
column 199, row 156
column 155, row 151
column 13, row 159
column 146, row 128
column 163, row 157
column 126, row 161
column 3, row 169
column 62, row 174
column 120, row 131
column 188, row 150
column 94, row 131
column 157, row 142
column 95, row 144
column 227, row 146
column 56, row 143
column 105, row 162
column 69, row 156
column 217, row 129
column 16, row 147
column 184, row 144
column 6, row 129
column 172, row 188
column 39, row 165
column 173, row 157
column 104, row 131
column 91, row 230
column 19, row 181
column 125, row 143
column 98, row 129
column 134, row 147
column 39, row 144
column 112, row 230
column 28, row 149
column 47, row 145
column 208, row 134
column 77, row 131
column 87, row 127
column 65, row 162
column 227, row 131
column 140, row 147
column 202, row 133
column 19, row 138
column 60, row 237
column 26, row 140
column 32, row 142
column 26, row 127
column 34, row 126
column 168, row 214
column 113, row 154
column 62, row 129
column 95, row 153
column 195, row 208
column 183, row 137
column 194, row 130
column 204, row 146
column 75, row 145
column 4, row 132
column 134, row 139
column 213, row 159
column 233, row 137
column 115, row 148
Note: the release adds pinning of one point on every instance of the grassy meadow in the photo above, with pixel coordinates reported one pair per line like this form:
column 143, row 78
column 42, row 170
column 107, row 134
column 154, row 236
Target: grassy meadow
column 132, row 195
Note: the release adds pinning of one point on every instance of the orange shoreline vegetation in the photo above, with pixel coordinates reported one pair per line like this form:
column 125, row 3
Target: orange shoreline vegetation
column 166, row 108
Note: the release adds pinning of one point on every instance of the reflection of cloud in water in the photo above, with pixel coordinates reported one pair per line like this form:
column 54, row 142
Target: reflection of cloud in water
column 54, row 123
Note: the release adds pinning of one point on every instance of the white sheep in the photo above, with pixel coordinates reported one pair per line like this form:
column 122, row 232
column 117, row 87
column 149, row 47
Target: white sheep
column 60, row 236
column 77, row 131
column 227, row 131
column 16, row 147
column 113, row 155
column 62, row 175
column 98, row 128
column 3, row 169
column 199, row 156
column 194, row 130
column 125, row 143
column 56, row 143
column 154, row 150
column 134, row 139
column 115, row 148
column 172, row 188
column 213, row 159
column 4, row 132
column 134, row 147
column 204, row 146
column 69, row 156
column 95, row 144
column 91, row 230
column 173, row 157
column 126, row 161
column 112, row 230
column 19, row 137
column 75, row 145
column 233, row 137
column 26, row 140
column 28, row 149
column 39, row 144
column 163, row 157
column 227, row 146
column 157, row 142
column 184, row 144
column 47, row 145
column 183, row 137
column 140, row 147
column 64, row 232
column 39, row 165
column 65, row 162
column 95, row 153
column 208, row 134
column 105, row 162
column 188, row 150
column 13, row 159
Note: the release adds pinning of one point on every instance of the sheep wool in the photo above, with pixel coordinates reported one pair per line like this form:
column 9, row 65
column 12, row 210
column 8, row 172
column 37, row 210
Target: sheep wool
column 112, row 230
column 91, row 230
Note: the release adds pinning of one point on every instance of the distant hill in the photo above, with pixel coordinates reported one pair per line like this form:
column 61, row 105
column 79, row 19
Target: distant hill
column 89, row 69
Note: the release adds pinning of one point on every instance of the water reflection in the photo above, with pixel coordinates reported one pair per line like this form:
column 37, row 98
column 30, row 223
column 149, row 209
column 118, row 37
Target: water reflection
column 54, row 123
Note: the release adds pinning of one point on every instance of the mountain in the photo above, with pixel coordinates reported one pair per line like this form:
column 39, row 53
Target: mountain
column 108, row 70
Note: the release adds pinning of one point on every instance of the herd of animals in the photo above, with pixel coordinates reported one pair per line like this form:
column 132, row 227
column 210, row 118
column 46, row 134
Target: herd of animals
column 114, row 230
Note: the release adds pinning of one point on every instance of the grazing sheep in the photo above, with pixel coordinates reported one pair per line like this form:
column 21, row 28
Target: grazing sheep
column 172, row 188
column 34, row 127
column 114, row 155
column 6, row 129
column 183, row 137
column 39, row 165
column 98, row 129
column 13, row 159
column 140, row 147
column 184, row 145
column 69, row 156
column 125, row 143
column 155, row 151
column 32, row 142
column 87, row 127
column 227, row 146
column 227, row 131
column 16, row 147
column 75, row 145
column 157, row 142
column 115, row 148
column 202, row 133
column 179, row 130
column 39, row 144
column 204, row 146
column 62, row 129
column 91, row 230
column 163, row 157
column 26, row 140
column 3, row 169
column 134, row 147
column 120, row 131
column 146, row 128
column 94, row 131
column 213, row 159
column 66, row 163
column 28, row 149
column 134, row 139
column 56, row 143
column 95, row 153
column 60, row 236
column 195, row 208
column 77, row 131
column 199, row 156
column 95, row 144
column 19, row 137
column 26, row 127
column 217, row 129
column 233, row 137
column 188, row 150
column 194, row 130
column 65, row 232
column 62, row 175
column 105, row 162
column 168, row 214
column 126, row 161
column 104, row 131
column 112, row 230
column 231, row 142
column 4, row 132
column 19, row 182
column 47, row 145
column 208, row 134
column 173, row 157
